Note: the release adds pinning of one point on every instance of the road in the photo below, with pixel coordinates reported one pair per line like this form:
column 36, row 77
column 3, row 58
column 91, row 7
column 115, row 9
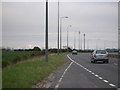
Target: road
column 80, row 73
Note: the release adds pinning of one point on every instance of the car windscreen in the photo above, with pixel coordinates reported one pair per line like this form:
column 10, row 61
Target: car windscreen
column 74, row 51
column 100, row 52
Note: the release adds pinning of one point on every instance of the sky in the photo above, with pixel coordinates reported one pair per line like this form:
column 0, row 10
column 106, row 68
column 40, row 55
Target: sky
column 23, row 24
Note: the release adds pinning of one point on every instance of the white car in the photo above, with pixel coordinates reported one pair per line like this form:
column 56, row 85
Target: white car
column 99, row 55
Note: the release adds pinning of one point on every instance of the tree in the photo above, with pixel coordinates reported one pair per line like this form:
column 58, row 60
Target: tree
column 36, row 48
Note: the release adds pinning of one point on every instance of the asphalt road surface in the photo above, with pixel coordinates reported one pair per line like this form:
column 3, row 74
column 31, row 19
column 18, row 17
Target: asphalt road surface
column 81, row 73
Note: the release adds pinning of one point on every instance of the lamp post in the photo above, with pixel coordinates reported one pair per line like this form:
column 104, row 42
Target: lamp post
column 46, row 33
column 81, row 42
column 61, row 33
column 84, row 41
column 58, row 27
column 74, row 40
column 79, row 39
column 67, row 35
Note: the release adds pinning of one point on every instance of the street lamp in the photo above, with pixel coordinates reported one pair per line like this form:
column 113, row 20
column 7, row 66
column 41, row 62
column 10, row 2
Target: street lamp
column 81, row 42
column 61, row 32
column 75, row 39
column 79, row 39
column 58, row 27
column 67, row 35
column 46, row 33
column 84, row 41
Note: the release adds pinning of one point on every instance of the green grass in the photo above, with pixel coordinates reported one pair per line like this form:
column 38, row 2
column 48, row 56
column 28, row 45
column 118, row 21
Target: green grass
column 24, row 75
column 12, row 57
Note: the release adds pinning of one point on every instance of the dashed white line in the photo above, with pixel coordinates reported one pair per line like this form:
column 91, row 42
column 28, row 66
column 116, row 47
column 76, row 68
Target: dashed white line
column 100, row 78
column 92, row 72
column 105, row 81
column 63, row 76
column 96, row 75
column 112, row 85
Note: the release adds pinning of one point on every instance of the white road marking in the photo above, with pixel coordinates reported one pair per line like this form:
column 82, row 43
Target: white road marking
column 112, row 85
column 100, row 78
column 105, row 81
column 91, row 71
column 63, row 76
column 96, row 75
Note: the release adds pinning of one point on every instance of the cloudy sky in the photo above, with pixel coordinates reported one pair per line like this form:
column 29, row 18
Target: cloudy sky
column 23, row 24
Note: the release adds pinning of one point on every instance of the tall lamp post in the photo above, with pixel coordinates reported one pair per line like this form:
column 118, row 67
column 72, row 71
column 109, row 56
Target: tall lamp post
column 61, row 33
column 67, row 35
column 81, row 42
column 74, row 40
column 58, row 27
column 84, row 41
column 79, row 39
column 46, row 34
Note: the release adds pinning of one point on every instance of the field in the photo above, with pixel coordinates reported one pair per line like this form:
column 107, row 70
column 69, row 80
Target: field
column 12, row 57
column 24, row 75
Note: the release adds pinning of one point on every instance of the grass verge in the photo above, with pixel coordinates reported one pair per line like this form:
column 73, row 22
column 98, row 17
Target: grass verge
column 13, row 57
column 24, row 75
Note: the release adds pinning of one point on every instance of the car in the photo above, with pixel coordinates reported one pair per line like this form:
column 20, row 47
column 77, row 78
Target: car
column 99, row 55
column 74, row 52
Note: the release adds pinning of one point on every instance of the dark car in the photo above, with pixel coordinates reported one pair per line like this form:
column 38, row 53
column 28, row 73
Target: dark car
column 74, row 52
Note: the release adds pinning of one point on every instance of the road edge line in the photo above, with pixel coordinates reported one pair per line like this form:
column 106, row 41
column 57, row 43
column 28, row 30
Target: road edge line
column 57, row 85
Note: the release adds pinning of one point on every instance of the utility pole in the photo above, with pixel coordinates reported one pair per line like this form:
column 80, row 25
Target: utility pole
column 79, row 39
column 84, row 41
column 81, row 42
column 46, row 36
column 58, row 26
column 60, row 36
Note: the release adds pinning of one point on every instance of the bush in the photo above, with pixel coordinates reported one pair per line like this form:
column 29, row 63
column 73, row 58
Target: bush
column 5, row 63
column 25, row 57
column 36, row 49
column 32, row 55
column 17, row 59
column 42, row 52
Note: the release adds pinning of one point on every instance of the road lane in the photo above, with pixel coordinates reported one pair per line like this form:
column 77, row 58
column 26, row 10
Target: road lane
column 83, row 74
column 108, row 71
column 80, row 78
